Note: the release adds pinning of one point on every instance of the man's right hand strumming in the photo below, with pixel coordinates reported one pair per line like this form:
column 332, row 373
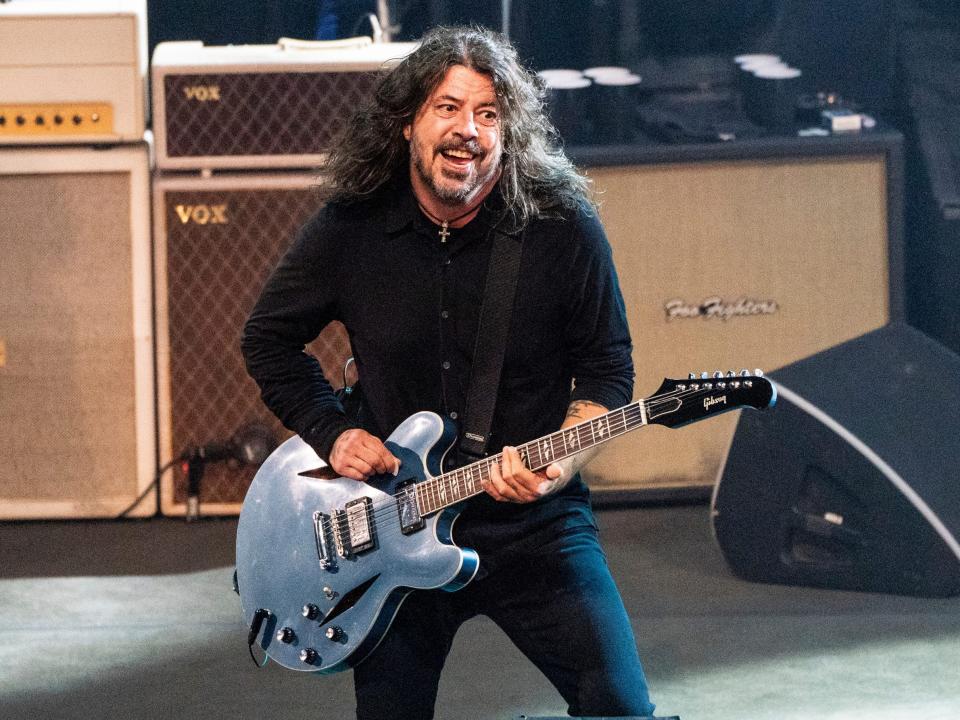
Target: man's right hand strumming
column 356, row 454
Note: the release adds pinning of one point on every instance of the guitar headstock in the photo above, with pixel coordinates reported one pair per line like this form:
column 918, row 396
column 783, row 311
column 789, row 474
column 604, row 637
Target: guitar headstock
column 678, row 402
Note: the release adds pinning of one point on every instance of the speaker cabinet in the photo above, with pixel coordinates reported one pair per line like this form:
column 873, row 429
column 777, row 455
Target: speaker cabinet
column 77, row 435
column 217, row 240
column 850, row 482
column 730, row 262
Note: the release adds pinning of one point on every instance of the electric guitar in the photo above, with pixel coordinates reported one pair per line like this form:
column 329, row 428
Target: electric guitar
column 323, row 563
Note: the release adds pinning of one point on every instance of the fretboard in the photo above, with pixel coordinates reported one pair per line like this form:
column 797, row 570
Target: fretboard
column 465, row 482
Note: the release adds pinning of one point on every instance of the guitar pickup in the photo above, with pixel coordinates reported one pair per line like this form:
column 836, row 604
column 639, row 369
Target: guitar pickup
column 353, row 527
column 410, row 518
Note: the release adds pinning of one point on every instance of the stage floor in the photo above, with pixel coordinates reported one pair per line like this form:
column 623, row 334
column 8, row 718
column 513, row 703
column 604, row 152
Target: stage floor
column 137, row 619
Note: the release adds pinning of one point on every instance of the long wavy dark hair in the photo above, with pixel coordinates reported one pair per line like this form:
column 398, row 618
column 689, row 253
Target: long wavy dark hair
column 536, row 175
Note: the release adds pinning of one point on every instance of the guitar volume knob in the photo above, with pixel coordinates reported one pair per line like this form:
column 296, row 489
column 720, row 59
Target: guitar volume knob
column 334, row 633
column 311, row 611
column 286, row 635
column 308, row 656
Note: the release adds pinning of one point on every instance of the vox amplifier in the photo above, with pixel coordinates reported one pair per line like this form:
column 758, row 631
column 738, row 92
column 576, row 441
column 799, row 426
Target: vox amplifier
column 77, row 402
column 216, row 241
column 72, row 72
column 751, row 256
column 259, row 106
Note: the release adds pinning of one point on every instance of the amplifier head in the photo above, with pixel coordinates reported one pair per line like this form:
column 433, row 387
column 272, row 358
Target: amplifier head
column 72, row 72
column 259, row 106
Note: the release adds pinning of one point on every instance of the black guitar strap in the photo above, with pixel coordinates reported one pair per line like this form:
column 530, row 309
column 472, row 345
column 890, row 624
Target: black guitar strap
column 495, row 311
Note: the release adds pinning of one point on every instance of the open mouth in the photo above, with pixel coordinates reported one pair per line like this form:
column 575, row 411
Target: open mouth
column 458, row 157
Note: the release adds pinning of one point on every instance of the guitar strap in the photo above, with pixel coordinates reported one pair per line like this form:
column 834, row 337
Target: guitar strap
column 496, row 309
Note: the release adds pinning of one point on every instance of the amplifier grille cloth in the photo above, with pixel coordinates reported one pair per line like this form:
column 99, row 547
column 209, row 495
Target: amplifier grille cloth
column 215, row 274
column 67, row 395
column 261, row 113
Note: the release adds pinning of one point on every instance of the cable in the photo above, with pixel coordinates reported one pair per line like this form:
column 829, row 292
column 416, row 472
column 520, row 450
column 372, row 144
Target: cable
column 153, row 485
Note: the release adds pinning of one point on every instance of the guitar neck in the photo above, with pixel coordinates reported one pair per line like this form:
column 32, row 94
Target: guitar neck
column 465, row 482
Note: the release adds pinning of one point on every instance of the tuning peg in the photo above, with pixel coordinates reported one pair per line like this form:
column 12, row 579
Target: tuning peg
column 704, row 375
column 744, row 373
column 692, row 376
column 731, row 373
column 758, row 372
column 717, row 374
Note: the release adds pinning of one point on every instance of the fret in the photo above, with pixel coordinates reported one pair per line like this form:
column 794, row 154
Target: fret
column 429, row 494
column 585, row 435
column 603, row 426
column 546, row 450
column 467, row 481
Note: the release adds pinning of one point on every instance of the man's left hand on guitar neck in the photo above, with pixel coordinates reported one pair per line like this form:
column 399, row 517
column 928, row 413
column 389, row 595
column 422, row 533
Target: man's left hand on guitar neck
column 513, row 482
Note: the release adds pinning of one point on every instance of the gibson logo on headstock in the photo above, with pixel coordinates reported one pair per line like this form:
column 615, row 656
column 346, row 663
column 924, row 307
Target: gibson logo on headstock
column 202, row 214
column 718, row 308
column 202, row 93
column 709, row 402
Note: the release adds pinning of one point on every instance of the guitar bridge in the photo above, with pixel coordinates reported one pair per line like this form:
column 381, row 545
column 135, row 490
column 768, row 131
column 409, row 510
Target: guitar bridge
column 353, row 528
column 321, row 523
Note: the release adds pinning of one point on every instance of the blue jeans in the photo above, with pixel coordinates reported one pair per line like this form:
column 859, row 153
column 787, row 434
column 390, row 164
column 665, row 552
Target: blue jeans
column 558, row 604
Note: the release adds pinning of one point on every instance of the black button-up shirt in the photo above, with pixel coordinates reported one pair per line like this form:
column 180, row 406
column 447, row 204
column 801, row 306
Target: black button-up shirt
column 410, row 301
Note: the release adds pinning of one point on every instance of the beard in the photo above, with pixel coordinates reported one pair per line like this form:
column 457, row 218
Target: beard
column 461, row 186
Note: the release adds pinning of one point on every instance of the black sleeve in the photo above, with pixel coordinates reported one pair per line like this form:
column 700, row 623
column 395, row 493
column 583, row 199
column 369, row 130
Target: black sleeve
column 597, row 333
column 297, row 302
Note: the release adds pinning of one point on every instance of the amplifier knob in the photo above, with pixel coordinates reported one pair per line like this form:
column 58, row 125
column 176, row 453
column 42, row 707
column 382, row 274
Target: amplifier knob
column 308, row 656
column 286, row 635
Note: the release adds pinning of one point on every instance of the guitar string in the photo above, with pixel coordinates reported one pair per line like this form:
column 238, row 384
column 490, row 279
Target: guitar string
column 377, row 509
column 375, row 513
column 631, row 412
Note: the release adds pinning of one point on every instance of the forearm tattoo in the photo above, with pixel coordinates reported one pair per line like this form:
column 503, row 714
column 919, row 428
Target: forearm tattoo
column 578, row 409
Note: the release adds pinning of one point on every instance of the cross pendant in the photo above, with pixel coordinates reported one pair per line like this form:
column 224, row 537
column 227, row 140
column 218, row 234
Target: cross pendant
column 444, row 232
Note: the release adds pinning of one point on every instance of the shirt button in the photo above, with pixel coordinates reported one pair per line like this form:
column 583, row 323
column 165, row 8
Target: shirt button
column 444, row 314
column 446, row 364
column 448, row 261
column 454, row 415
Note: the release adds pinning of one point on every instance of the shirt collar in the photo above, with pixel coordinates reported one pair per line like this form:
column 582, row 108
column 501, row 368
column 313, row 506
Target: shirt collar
column 493, row 212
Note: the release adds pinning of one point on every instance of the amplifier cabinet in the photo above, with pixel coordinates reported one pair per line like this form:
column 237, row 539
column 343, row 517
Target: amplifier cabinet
column 72, row 73
column 259, row 106
column 78, row 431
column 743, row 262
column 217, row 239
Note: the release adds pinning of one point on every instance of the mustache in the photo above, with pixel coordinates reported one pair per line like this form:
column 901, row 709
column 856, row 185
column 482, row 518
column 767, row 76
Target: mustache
column 471, row 146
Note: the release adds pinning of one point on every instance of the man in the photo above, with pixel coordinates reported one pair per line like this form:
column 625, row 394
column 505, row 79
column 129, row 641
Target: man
column 454, row 149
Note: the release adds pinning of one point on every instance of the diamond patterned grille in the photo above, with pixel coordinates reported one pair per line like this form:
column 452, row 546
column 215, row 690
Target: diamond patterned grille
column 215, row 271
column 260, row 114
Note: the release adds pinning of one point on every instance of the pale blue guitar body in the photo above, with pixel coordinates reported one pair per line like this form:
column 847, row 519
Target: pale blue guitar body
column 324, row 563
column 284, row 567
